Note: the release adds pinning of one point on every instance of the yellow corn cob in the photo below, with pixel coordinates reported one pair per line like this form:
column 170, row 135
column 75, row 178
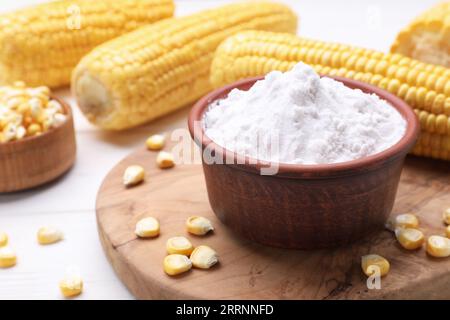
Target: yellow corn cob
column 425, row 87
column 427, row 38
column 433, row 145
column 159, row 68
column 42, row 44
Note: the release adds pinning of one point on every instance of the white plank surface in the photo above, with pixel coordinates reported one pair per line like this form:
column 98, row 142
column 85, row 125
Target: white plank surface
column 69, row 202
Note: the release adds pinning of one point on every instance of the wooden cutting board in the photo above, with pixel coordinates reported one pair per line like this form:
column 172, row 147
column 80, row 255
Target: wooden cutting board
column 251, row 271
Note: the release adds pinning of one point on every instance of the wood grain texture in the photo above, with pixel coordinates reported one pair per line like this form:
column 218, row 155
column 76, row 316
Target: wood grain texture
column 251, row 271
column 33, row 161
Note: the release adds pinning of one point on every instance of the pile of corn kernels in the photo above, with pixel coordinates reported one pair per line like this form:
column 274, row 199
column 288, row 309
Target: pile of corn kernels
column 26, row 112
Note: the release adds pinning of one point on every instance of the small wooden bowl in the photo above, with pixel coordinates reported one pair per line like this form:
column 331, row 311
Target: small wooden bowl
column 34, row 161
column 303, row 206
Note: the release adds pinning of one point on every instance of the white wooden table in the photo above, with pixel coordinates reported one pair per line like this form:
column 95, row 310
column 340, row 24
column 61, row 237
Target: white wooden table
column 69, row 202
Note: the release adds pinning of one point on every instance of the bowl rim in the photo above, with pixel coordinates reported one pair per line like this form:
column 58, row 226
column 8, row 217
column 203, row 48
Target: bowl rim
column 352, row 167
column 67, row 112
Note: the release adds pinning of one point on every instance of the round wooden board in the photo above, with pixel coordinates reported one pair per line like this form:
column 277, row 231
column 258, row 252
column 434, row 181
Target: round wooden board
column 251, row 271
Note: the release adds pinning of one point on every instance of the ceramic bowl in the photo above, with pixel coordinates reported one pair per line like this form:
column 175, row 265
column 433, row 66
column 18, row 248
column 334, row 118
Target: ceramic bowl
column 303, row 206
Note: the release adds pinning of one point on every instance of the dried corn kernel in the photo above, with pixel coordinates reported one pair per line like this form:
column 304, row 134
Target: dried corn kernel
column 406, row 220
column 54, row 106
column 165, row 160
column 176, row 263
column 24, row 108
column 147, row 228
column 49, row 235
column 3, row 239
column 371, row 261
column 155, row 142
column 58, row 119
column 179, row 245
column 71, row 286
column 446, row 216
column 8, row 257
column 438, row 246
column 19, row 84
column 198, row 225
column 10, row 132
column 133, row 175
column 33, row 129
column 20, row 133
column 204, row 257
column 409, row 238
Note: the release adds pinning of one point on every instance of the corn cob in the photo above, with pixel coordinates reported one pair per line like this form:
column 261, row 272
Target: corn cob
column 424, row 86
column 427, row 38
column 41, row 45
column 433, row 145
column 159, row 68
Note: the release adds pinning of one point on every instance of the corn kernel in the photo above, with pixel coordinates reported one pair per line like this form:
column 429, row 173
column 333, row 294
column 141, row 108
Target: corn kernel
column 3, row 239
column 27, row 121
column 47, row 124
column 17, row 96
column 165, row 160
column 438, row 246
column 204, row 257
column 8, row 257
column 9, row 132
column 155, row 142
column 39, row 92
column 447, row 231
column 406, row 220
column 147, row 228
column 33, row 129
column 71, row 286
column 36, row 109
column 371, row 261
column 21, row 132
column 409, row 238
column 24, row 108
column 198, row 225
column 176, row 263
column 59, row 119
column 49, row 235
column 446, row 216
column 13, row 103
column 15, row 119
column 19, row 84
column 133, row 175
column 54, row 106
column 179, row 245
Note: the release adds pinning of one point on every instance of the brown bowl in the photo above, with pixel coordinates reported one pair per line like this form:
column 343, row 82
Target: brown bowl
column 34, row 161
column 303, row 206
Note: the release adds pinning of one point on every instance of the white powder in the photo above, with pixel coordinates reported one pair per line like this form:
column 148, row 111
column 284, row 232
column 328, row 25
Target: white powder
column 298, row 117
